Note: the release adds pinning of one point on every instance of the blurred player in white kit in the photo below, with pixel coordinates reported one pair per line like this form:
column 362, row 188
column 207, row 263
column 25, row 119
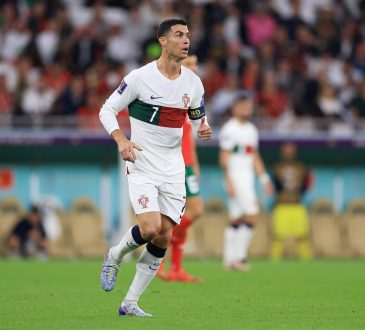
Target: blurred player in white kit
column 240, row 159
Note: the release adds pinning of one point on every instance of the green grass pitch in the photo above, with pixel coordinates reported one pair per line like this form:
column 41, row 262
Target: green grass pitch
column 283, row 295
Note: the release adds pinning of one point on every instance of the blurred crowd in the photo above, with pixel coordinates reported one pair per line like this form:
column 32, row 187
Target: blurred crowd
column 299, row 58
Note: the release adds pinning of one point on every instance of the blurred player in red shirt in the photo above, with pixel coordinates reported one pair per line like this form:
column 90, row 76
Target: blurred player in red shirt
column 194, row 203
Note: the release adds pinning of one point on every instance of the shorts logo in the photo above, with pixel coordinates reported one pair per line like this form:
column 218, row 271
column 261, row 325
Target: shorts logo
column 186, row 100
column 122, row 87
column 143, row 201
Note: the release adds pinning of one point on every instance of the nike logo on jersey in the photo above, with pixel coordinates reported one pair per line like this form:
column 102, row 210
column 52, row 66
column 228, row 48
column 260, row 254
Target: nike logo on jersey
column 153, row 269
column 156, row 97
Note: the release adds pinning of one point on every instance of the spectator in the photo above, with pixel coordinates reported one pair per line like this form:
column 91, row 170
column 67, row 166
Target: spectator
column 6, row 98
column 328, row 104
column 213, row 78
column 327, row 33
column 88, row 115
column 260, row 24
column 222, row 100
column 28, row 237
column 291, row 179
column 14, row 41
column 293, row 22
column 84, row 50
column 359, row 57
column 57, row 77
column 47, row 43
column 117, row 40
column 272, row 102
column 357, row 104
column 251, row 75
column 38, row 100
column 72, row 98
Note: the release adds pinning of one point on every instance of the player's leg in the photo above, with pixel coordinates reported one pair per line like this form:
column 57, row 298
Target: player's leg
column 231, row 235
column 279, row 231
column 301, row 231
column 248, row 201
column 171, row 201
column 194, row 207
column 148, row 262
column 143, row 195
column 245, row 234
column 193, row 210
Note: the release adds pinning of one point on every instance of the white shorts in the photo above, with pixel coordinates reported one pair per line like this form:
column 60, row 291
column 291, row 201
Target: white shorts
column 245, row 200
column 148, row 195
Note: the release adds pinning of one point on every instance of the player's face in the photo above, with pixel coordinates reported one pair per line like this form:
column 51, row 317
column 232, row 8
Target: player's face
column 177, row 42
column 288, row 151
column 191, row 62
column 243, row 109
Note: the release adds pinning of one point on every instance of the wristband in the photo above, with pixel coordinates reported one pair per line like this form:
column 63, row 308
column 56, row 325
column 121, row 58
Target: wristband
column 264, row 178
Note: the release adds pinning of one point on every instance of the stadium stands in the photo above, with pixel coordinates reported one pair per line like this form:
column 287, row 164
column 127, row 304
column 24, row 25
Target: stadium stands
column 85, row 223
column 326, row 237
column 354, row 225
column 298, row 67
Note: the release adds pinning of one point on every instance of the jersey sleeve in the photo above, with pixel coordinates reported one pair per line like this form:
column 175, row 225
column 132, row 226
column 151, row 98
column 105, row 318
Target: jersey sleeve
column 226, row 139
column 125, row 94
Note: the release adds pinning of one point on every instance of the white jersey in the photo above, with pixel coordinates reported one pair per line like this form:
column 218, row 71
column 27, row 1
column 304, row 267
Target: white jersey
column 241, row 140
column 157, row 110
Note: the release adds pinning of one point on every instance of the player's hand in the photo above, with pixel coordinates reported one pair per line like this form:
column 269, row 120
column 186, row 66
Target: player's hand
column 269, row 189
column 204, row 131
column 230, row 189
column 126, row 150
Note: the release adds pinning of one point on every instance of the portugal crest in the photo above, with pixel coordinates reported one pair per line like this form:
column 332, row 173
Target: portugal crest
column 143, row 201
column 186, row 100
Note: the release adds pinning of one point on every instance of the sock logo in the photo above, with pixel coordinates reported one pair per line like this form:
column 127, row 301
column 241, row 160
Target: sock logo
column 132, row 245
column 155, row 266
column 143, row 201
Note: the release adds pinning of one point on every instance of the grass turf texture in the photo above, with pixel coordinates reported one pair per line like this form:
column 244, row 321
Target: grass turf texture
column 283, row 295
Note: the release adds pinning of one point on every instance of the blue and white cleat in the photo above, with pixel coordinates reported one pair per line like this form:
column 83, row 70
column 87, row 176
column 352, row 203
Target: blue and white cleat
column 109, row 273
column 132, row 310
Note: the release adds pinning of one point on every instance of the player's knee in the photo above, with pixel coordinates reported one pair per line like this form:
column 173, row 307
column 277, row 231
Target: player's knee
column 199, row 210
column 163, row 239
column 150, row 232
column 195, row 211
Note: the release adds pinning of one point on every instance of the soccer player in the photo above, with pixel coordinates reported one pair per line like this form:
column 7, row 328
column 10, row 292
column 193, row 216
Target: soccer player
column 158, row 96
column 239, row 159
column 194, row 203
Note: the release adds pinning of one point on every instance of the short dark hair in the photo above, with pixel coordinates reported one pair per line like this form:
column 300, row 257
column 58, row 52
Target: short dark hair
column 166, row 25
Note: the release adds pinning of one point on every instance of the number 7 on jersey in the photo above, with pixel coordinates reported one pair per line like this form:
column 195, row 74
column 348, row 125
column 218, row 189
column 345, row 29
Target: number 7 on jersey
column 154, row 114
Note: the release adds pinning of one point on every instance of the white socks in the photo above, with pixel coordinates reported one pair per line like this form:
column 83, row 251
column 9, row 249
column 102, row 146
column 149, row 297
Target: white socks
column 147, row 267
column 229, row 248
column 130, row 241
column 236, row 244
column 244, row 236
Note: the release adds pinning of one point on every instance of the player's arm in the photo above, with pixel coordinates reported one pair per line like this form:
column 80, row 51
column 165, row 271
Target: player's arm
column 118, row 101
column 223, row 163
column 198, row 119
column 260, row 170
